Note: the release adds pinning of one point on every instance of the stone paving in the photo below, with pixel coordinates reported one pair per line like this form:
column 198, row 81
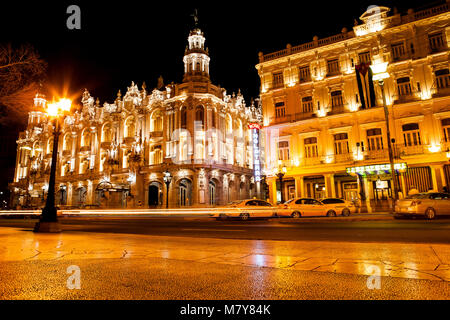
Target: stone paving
column 413, row 261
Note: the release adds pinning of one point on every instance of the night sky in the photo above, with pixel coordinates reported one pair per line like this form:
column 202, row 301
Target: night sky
column 124, row 41
column 121, row 41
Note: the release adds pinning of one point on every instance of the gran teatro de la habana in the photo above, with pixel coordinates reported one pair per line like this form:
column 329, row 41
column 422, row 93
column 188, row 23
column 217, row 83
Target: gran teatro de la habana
column 122, row 154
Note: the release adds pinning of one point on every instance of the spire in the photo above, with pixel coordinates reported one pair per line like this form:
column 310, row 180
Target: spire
column 195, row 16
column 196, row 57
column 160, row 83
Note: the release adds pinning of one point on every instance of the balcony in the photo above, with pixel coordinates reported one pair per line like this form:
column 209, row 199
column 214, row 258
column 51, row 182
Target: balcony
column 156, row 134
column 405, row 98
column 437, row 49
column 313, row 161
column 376, row 154
column 441, row 92
column 400, row 150
column 292, row 117
column 344, row 157
column 338, row 109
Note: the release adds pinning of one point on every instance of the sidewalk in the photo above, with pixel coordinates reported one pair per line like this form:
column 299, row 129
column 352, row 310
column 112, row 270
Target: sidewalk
column 411, row 261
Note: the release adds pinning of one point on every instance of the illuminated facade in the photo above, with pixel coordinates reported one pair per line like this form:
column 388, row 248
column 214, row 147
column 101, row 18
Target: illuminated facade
column 330, row 140
column 114, row 155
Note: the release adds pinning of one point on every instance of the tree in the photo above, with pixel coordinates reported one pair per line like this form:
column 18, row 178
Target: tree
column 21, row 71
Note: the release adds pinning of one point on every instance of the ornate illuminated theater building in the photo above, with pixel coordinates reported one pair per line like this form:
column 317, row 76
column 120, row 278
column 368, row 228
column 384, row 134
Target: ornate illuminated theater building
column 324, row 121
column 115, row 155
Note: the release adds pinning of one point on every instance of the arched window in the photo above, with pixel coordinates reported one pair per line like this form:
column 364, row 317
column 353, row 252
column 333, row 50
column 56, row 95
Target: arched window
column 106, row 133
column 85, row 138
column 199, row 117
column 213, row 118
column 229, row 124
column 157, row 121
column 50, row 145
column 67, row 144
column 183, row 116
column 130, row 128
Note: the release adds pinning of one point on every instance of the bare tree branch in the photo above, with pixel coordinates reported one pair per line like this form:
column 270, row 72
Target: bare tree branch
column 21, row 69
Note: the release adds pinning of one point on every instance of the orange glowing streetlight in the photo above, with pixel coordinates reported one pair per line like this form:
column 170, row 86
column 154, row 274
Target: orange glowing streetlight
column 48, row 221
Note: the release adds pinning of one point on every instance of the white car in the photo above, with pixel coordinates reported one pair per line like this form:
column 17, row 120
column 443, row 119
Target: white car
column 308, row 207
column 246, row 209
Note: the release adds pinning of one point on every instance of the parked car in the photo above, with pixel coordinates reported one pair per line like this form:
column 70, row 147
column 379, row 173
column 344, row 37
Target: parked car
column 305, row 207
column 246, row 209
column 340, row 206
column 430, row 205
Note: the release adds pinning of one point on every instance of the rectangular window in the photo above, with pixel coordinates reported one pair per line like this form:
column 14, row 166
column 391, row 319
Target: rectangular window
column 374, row 139
column 283, row 150
column 398, row 51
column 404, row 86
column 333, row 67
column 278, row 80
column 336, row 99
column 307, row 104
column 446, row 127
column 364, row 57
column 436, row 41
column 280, row 110
column 311, row 147
column 341, row 143
column 442, row 78
column 411, row 135
column 304, row 74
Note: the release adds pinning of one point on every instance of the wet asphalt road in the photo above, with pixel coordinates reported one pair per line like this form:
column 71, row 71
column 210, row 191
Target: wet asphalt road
column 319, row 229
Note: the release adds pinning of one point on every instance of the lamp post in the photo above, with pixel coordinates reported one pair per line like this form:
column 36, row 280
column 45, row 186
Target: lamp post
column 167, row 180
column 379, row 71
column 281, row 172
column 48, row 221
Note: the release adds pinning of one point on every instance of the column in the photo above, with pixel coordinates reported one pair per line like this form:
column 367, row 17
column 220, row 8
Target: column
column 329, row 185
column 403, row 185
column 366, row 185
column 90, row 193
column 443, row 177
column 435, row 186
column 69, row 193
column 273, row 191
column 299, row 187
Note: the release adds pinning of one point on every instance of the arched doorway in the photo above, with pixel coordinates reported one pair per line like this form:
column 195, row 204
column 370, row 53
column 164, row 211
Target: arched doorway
column 230, row 193
column 80, row 196
column 242, row 192
column 154, row 194
column 62, row 196
column 184, row 193
column 212, row 193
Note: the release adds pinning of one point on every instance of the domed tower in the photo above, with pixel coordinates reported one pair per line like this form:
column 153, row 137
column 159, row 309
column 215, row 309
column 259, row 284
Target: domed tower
column 196, row 58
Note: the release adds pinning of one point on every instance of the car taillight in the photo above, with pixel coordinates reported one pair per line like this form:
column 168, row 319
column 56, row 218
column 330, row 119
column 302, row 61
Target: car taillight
column 415, row 203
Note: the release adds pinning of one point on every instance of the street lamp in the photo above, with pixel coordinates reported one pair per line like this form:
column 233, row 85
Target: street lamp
column 48, row 221
column 167, row 180
column 281, row 172
column 379, row 71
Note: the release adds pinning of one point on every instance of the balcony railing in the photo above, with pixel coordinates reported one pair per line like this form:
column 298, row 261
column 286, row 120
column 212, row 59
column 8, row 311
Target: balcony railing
column 408, row 97
column 338, row 109
column 292, row 117
column 400, row 150
column 344, row 157
column 313, row 161
column 441, row 92
column 156, row 134
column 394, row 20
column 376, row 154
